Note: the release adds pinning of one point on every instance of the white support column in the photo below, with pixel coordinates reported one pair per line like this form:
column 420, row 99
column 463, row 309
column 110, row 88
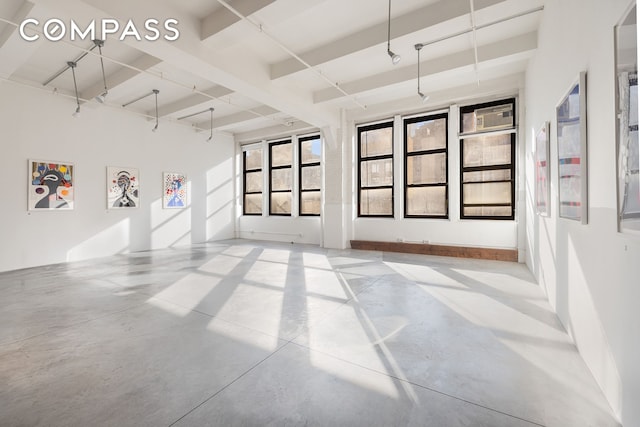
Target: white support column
column 334, row 206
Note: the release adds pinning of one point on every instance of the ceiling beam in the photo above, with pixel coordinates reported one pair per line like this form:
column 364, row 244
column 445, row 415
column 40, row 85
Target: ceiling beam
column 417, row 20
column 22, row 12
column 273, row 132
column 224, row 18
column 504, row 48
column 14, row 51
column 193, row 100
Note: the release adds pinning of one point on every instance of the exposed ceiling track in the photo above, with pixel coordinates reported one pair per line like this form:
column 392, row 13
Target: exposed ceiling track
column 475, row 40
column 190, row 88
column 291, row 53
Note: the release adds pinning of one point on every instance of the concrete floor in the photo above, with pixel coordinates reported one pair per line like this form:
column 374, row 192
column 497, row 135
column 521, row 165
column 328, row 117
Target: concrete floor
column 243, row 333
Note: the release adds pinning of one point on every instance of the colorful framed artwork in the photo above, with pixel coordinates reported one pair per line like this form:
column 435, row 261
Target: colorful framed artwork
column 51, row 185
column 123, row 187
column 174, row 194
column 542, row 170
column 571, row 115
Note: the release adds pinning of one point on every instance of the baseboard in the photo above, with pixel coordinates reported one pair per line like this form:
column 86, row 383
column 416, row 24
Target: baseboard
column 439, row 250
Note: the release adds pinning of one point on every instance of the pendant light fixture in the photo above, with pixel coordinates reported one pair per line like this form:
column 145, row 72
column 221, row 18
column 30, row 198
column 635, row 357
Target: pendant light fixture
column 72, row 65
column 210, row 109
column 394, row 57
column 101, row 98
column 424, row 97
column 156, row 92
column 211, row 127
column 153, row 92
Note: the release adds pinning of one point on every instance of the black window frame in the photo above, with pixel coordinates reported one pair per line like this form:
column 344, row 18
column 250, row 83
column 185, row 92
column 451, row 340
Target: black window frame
column 360, row 131
column 512, row 166
column 272, row 168
column 300, row 168
column 445, row 150
column 244, row 183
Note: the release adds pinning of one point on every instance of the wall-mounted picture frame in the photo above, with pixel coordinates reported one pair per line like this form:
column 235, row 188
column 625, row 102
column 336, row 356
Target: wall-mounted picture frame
column 542, row 170
column 51, row 185
column 123, row 187
column 174, row 190
column 571, row 121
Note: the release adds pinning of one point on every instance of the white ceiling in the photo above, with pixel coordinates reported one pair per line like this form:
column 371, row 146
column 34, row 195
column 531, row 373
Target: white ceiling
column 247, row 68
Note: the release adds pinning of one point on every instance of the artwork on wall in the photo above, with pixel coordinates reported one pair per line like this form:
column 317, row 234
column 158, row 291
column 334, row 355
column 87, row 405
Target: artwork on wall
column 123, row 187
column 51, row 185
column 542, row 170
column 174, row 194
column 571, row 116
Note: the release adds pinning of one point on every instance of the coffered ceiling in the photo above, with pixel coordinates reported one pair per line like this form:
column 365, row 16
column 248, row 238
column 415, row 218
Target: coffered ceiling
column 273, row 66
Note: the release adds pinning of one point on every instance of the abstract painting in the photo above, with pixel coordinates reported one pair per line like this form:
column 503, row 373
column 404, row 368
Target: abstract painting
column 174, row 195
column 542, row 170
column 123, row 187
column 50, row 185
column 571, row 115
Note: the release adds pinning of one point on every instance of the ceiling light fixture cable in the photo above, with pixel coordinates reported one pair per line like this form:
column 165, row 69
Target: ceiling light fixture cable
column 153, row 92
column 210, row 109
column 102, row 97
column 424, row 97
column 394, row 57
column 156, row 92
column 211, row 127
column 72, row 65
column 75, row 61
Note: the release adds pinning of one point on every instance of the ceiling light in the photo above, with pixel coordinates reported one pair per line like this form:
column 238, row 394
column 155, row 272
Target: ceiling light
column 210, row 109
column 101, row 98
column 211, row 128
column 153, row 92
column 72, row 65
column 424, row 97
column 156, row 92
column 394, row 57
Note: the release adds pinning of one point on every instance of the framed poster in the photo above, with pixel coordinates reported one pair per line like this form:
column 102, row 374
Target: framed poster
column 571, row 116
column 542, row 170
column 174, row 194
column 51, row 185
column 123, row 187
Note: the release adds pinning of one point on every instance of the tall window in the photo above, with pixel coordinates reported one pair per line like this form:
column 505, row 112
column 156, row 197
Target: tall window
column 375, row 170
column 280, row 178
column 487, row 158
column 252, row 169
column 425, row 172
column 310, row 175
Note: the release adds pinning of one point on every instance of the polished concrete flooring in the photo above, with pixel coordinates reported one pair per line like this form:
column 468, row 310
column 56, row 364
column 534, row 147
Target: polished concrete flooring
column 244, row 333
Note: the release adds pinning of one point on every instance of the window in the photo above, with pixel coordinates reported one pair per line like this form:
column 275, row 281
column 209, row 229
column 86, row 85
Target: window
column 375, row 170
column 487, row 160
column 252, row 167
column 425, row 172
column 280, row 178
column 310, row 175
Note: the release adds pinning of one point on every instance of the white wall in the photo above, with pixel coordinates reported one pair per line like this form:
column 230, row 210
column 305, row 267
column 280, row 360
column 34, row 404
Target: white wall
column 38, row 125
column 591, row 273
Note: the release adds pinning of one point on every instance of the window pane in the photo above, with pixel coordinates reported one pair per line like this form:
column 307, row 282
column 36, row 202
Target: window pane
column 488, row 118
column 310, row 203
column 487, row 150
column 253, row 158
column 310, row 151
column 484, row 194
column 310, row 178
column 483, row 176
column 376, row 142
column 427, row 201
column 281, row 179
column 427, row 169
column 253, row 182
column 280, row 203
column 253, row 203
column 488, row 211
column 281, row 154
column 376, row 173
column 427, row 135
column 376, row 202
